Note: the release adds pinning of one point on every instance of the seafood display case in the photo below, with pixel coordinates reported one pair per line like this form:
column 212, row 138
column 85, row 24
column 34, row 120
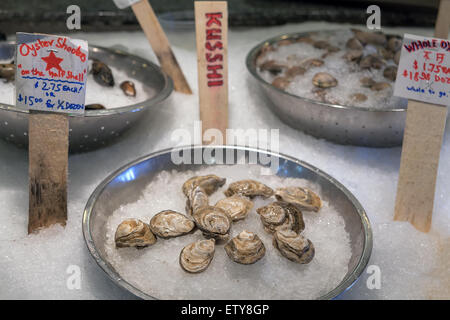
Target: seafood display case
column 297, row 204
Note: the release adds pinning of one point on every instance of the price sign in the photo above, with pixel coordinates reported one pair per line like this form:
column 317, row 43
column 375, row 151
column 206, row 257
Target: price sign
column 51, row 73
column 424, row 70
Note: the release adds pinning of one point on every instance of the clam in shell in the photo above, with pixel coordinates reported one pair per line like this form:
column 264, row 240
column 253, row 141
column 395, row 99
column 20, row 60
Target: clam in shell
column 293, row 246
column 134, row 233
column 249, row 188
column 170, row 224
column 324, row 80
column 210, row 183
column 197, row 256
column 281, row 214
column 213, row 222
column 245, row 248
column 237, row 207
column 302, row 198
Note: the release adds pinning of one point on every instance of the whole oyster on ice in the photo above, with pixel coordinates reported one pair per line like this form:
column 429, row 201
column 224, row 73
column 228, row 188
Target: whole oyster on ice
column 169, row 224
column 237, row 207
column 210, row 183
column 102, row 73
column 134, row 233
column 197, row 256
column 302, row 198
column 249, row 188
column 245, row 248
column 293, row 246
column 197, row 198
column 281, row 214
column 213, row 222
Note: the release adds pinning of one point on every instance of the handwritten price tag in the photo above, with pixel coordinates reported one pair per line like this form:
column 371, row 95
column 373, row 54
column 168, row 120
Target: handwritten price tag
column 51, row 73
column 424, row 70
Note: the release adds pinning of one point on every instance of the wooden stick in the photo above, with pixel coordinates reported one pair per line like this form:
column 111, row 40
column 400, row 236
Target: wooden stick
column 422, row 142
column 160, row 44
column 211, row 27
column 48, row 162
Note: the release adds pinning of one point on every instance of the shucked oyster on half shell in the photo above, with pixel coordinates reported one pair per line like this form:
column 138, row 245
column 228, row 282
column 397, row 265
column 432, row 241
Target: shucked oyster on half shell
column 210, row 183
column 293, row 246
column 245, row 248
column 302, row 198
column 237, row 207
column 134, row 233
column 197, row 198
column 169, row 224
column 249, row 188
column 197, row 256
column 214, row 222
column 281, row 214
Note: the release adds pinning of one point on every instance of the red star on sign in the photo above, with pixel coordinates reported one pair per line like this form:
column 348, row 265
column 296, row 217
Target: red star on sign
column 52, row 61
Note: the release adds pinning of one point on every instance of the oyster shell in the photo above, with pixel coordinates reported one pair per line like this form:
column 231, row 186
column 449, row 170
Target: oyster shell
column 134, row 233
column 128, row 88
column 294, row 71
column 378, row 86
column 390, row 73
column 365, row 37
column 245, row 248
column 367, row 82
column 358, row 97
column 281, row 82
column 354, row 44
column 302, row 198
column 214, row 222
column 272, row 66
column 249, row 188
column 394, row 44
column 311, row 62
column 169, row 224
column 352, row 55
column 8, row 71
column 293, row 246
column 281, row 214
column 236, row 207
column 102, row 74
column 197, row 199
column 210, row 183
column 94, row 106
column 324, row 80
column 372, row 61
column 197, row 256
column 386, row 54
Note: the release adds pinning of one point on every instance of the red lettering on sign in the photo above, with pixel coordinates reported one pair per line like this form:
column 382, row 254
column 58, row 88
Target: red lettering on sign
column 214, row 45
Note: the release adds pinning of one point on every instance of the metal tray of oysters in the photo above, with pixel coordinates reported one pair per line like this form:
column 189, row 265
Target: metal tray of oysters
column 243, row 224
column 120, row 88
column 336, row 85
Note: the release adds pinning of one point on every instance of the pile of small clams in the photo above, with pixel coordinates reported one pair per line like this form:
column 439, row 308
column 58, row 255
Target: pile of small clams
column 363, row 51
column 283, row 219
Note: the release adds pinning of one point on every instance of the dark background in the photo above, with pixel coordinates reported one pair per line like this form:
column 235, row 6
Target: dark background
column 102, row 15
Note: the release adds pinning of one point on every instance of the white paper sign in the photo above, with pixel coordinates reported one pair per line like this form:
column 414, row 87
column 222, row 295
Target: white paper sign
column 51, row 73
column 424, row 70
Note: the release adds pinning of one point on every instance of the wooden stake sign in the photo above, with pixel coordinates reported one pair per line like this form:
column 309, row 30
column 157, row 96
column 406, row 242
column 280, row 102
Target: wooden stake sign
column 211, row 28
column 50, row 82
column 424, row 72
column 158, row 41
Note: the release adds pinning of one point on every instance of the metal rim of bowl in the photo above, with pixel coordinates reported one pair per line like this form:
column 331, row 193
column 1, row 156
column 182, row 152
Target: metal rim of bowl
column 251, row 67
column 343, row 286
column 160, row 96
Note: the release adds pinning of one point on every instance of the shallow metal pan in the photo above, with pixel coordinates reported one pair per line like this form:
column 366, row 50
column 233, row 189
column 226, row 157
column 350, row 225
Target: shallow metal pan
column 127, row 184
column 97, row 127
column 337, row 123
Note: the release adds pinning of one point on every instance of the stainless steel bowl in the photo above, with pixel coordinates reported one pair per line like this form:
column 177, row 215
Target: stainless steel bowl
column 337, row 123
column 97, row 127
column 127, row 184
